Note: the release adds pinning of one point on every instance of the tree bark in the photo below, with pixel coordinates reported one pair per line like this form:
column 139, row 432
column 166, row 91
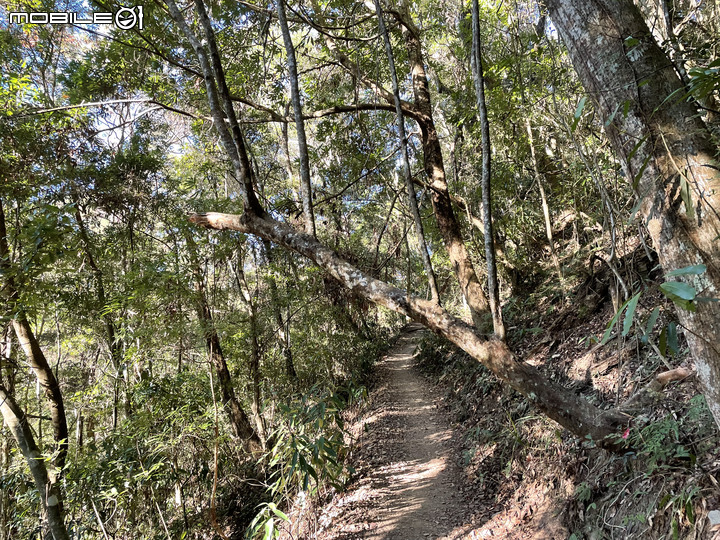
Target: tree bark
column 560, row 404
column 409, row 184
column 435, row 170
column 666, row 152
column 305, row 184
column 239, row 421
column 30, row 346
column 46, row 485
column 479, row 79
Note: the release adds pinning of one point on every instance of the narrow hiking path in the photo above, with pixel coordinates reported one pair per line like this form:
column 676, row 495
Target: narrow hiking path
column 408, row 485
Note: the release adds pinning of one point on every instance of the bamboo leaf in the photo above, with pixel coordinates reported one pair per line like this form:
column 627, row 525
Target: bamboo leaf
column 696, row 269
column 678, row 289
column 651, row 321
column 578, row 113
column 687, row 197
column 630, row 314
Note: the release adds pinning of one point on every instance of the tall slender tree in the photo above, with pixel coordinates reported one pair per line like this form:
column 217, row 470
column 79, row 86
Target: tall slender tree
column 489, row 236
column 405, row 159
column 305, row 181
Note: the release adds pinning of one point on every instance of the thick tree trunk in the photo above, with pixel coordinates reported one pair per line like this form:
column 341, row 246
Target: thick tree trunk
column 557, row 402
column 30, row 346
column 479, row 79
column 409, row 184
column 305, row 184
column 48, row 490
column 665, row 149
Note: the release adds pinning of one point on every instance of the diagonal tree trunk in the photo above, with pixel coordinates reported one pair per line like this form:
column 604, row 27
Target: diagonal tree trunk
column 665, row 149
column 557, row 402
column 34, row 353
column 50, row 498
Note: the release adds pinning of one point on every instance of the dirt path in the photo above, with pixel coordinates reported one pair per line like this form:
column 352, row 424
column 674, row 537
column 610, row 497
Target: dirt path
column 408, row 484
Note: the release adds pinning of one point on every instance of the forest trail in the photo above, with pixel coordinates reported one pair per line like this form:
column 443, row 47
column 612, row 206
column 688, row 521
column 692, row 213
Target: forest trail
column 408, row 483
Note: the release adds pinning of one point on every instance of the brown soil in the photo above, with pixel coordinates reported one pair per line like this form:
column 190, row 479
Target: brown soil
column 408, row 483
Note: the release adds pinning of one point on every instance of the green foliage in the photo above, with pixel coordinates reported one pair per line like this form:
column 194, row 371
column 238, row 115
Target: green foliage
column 682, row 294
column 309, row 440
column 263, row 526
column 705, row 80
column 309, row 451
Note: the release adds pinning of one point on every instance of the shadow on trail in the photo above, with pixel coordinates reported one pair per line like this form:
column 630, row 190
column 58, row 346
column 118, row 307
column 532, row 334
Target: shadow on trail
column 409, row 489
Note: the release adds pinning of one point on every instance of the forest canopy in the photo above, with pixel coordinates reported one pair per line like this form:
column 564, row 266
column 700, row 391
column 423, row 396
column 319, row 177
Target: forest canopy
column 215, row 215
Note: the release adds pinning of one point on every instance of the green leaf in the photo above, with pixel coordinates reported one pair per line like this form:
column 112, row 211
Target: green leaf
column 282, row 515
column 662, row 344
column 269, row 529
column 613, row 322
column 578, row 113
column 672, row 338
column 686, row 197
column 651, row 322
column 678, row 289
column 612, row 116
column 695, row 270
column 629, row 314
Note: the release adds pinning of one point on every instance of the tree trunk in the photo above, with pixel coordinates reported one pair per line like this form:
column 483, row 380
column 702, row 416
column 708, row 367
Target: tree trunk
column 30, row 346
column 283, row 326
column 46, row 485
column 557, row 402
column 244, row 290
column 665, row 150
column 305, row 184
column 435, row 170
column 114, row 343
column 479, row 79
column 543, row 202
column 409, row 184
column 238, row 419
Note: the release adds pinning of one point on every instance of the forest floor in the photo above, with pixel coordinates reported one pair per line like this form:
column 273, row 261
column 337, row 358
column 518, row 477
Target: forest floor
column 442, row 449
column 408, row 484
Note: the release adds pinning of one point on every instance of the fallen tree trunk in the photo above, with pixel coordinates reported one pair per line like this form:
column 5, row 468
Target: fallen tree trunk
column 557, row 402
